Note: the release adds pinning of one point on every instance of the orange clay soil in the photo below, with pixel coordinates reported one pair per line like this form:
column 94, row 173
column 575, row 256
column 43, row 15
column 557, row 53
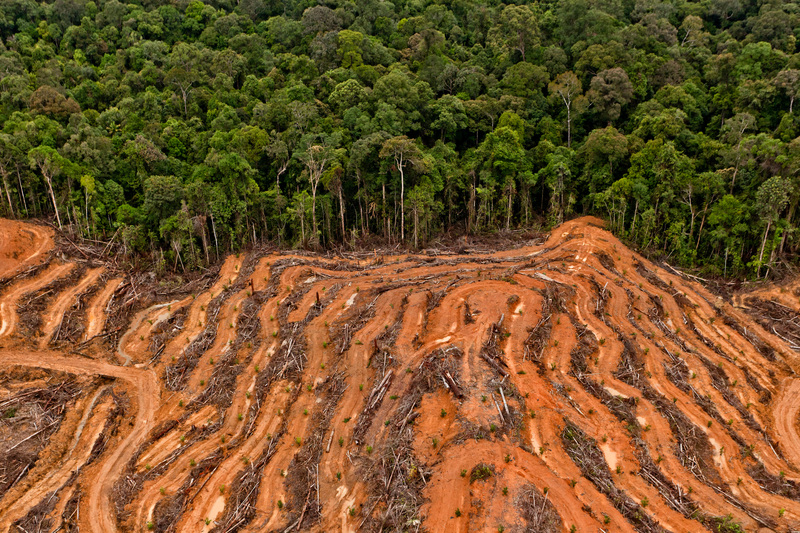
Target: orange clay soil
column 570, row 385
column 22, row 245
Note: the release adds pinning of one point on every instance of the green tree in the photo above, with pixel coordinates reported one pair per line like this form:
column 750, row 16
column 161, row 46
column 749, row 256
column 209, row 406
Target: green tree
column 50, row 163
column 507, row 163
column 162, row 197
column 186, row 71
column 772, row 198
column 423, row 206
column 660, row 167
column 9, row 154
column 347, row 94
column 517, row 29
column 610, row 90
column 567, row 89
column 736, row 128
column 727, row 219
column 604, row 150
column 349, row 48
column 615, row 200
column 557, row 175
column 364, row 153
column 404, row 152
column 789, row 81
column 450, row 115
column 299, row 210
column 316, row 158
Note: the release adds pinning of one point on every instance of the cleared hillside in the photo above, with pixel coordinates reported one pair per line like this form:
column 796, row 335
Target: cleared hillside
column 565, row 385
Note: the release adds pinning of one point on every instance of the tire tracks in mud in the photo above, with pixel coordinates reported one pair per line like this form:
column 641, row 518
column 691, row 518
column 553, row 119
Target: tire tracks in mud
column 100, row 515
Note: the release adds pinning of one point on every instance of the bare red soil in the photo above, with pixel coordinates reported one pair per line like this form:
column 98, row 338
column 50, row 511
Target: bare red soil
column 567, row 385
column 22, row 245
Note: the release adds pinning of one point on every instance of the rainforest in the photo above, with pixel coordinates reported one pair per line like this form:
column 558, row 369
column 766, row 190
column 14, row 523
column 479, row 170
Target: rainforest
column 187, row 130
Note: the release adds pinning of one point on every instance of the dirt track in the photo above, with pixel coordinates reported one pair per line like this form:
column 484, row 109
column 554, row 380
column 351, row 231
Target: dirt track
column 564, row 384
column 22, row 245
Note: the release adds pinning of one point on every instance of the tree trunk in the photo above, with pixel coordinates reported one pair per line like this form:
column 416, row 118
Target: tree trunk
column 402, row 204
column 341, row 210
column 569, row 127
column 561, row 196
column 303, row 225
column 772, row 256
column 449, row 208
column 205, row 242
column 763, row 244
column 8, row 191
column 700, row 231
column 385, row 215
column 526, row 198
column 191, row 243
column 314, row 210
column 22, row 191
column 86, row 201
column 326, row 214
column 69, row 217
column 416, row 226
column 471, row 215
column 726, row 261
column 692, row 217
column 360, row 201
column 185, row 94
column 789, row 224
column 508, row 207
column 738, row 159
column 53, row 197
column 733, row 179
column 216, row 241
column 281, row 170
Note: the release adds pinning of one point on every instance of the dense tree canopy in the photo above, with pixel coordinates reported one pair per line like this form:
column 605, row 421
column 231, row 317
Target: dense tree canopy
column 189, row 128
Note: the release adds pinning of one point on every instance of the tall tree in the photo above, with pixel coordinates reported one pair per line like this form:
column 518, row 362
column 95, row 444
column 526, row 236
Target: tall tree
column 186, row 71
column 789, row 81
column 506, row 159
column 567, row 89
column 736, row 128
column 50, row 164
column 516, row 30
column 404, row 152
column 772, row 198
column 610, row 90
column 557, row 176
column 316, row 158
column 8, row 154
